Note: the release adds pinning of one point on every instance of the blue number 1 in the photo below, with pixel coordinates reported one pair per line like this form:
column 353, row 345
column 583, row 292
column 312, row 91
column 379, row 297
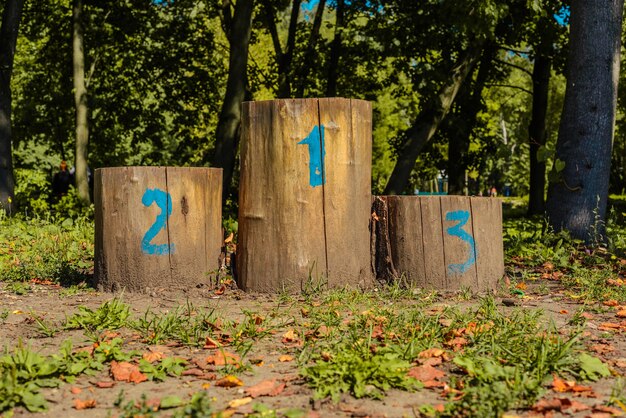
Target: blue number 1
column 163, row 201
column 315, row 141
column 461, row 216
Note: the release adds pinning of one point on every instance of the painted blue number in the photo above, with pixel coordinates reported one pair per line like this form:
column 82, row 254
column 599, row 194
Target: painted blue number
column 315, row 141
column 164, row 201
column 461, row 216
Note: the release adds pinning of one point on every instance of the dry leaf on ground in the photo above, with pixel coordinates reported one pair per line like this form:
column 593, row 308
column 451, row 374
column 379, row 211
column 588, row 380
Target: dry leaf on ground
column 127, row 372
column 86, row 404
column 229, row 381
column 222, row 358
column 266, row 388
column 425, row 373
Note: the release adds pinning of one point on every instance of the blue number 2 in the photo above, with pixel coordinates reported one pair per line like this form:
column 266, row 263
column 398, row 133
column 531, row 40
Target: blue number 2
column 461, row 216
column 163, row 201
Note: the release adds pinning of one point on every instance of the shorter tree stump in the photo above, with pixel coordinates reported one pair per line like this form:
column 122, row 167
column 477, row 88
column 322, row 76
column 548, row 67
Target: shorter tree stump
column 157, row 227
column 439, row 242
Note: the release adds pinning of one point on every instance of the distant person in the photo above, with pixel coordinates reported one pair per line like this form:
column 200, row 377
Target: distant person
column 61, row 182
column 493, row 192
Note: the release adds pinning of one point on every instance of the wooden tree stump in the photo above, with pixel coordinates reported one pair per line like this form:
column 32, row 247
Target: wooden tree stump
column 440, row 242
column 305, row 196
column 157, row 227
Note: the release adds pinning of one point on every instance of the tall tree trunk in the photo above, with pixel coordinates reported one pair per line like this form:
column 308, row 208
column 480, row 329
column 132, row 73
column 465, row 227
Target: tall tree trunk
column 8, row 40
column 433, row 112
column 577, row 200
column 284, row 58
column 537, row 127
column 228, row 125
column 80, row 100
column 309, row 54
column 470, row 103
column 335, row 51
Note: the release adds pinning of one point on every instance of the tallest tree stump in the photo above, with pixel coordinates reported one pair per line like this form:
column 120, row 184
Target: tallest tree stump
column 305, row 194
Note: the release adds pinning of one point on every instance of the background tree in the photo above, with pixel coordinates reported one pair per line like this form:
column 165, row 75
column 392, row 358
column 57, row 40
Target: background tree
column 8, row 40
column 238, row 29
column 577, row 200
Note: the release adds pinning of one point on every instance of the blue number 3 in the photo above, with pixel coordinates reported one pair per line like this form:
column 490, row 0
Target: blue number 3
column 461, row 216
column 164, row 202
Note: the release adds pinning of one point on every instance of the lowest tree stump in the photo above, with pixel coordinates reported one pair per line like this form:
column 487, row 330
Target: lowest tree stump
column 305, row 196
column 440, row 242
column 157, row 227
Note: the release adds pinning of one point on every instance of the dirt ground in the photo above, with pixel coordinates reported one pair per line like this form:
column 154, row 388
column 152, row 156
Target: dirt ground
column 54, row 304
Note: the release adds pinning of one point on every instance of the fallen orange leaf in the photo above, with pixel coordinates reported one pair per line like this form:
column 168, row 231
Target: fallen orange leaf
column 211, row 343
column 104, row 385
column 229, row 381
column 285, row 357
column 127, row 372
column 86, row 404
column 431, row 352
column 425, row 373
column 266, row 388
column 621, row 314
column 236, row 403
column 290, row 336
column 222, row 358
column 152, row 356
column 610, row 302
column 75, row 390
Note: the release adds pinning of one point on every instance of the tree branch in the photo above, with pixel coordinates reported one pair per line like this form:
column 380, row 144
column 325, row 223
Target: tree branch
column 510, row 87
column 271, row 26
column 519, row 67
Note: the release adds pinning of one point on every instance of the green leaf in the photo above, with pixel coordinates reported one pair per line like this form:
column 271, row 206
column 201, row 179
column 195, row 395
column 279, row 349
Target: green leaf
column 171, row 401
column 592, row 368
column 559, row 165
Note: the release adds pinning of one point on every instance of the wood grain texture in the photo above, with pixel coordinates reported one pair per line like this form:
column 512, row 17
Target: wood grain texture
column 293, row 229
column 281, row 220
column 487, row 225
column 432, row 239
column 347, row 190
column 445, row 242
column 405, row 234
column 458, row 242
column 123, row 217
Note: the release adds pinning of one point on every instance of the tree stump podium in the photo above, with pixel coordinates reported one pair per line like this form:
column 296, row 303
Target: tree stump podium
column 440, row 242
column 157, row 227
column 305, row 196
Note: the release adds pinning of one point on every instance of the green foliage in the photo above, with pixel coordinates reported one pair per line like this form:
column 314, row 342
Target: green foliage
column 348, row 371
column 112, row 314
column 43, row 250
column 198, row 407
column 169, row 366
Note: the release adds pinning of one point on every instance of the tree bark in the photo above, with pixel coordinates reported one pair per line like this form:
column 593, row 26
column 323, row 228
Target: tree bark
column 577, row 200
column 309, row 54
column 335, row 51
column 228, row 125
column 537, row 127
column 283, row 59
column 434, row 111
column 80, row 100
column 470, row 102
column 8, row 40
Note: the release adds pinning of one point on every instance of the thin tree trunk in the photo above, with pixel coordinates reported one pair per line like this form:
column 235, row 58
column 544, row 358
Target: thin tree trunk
column 8, row 40
column 577, row 200
column 309, row 55
column 335, row 51
column 428, row 121
column 470, row 102
column 228, row 125
column 537, row 128
column 80, row 100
